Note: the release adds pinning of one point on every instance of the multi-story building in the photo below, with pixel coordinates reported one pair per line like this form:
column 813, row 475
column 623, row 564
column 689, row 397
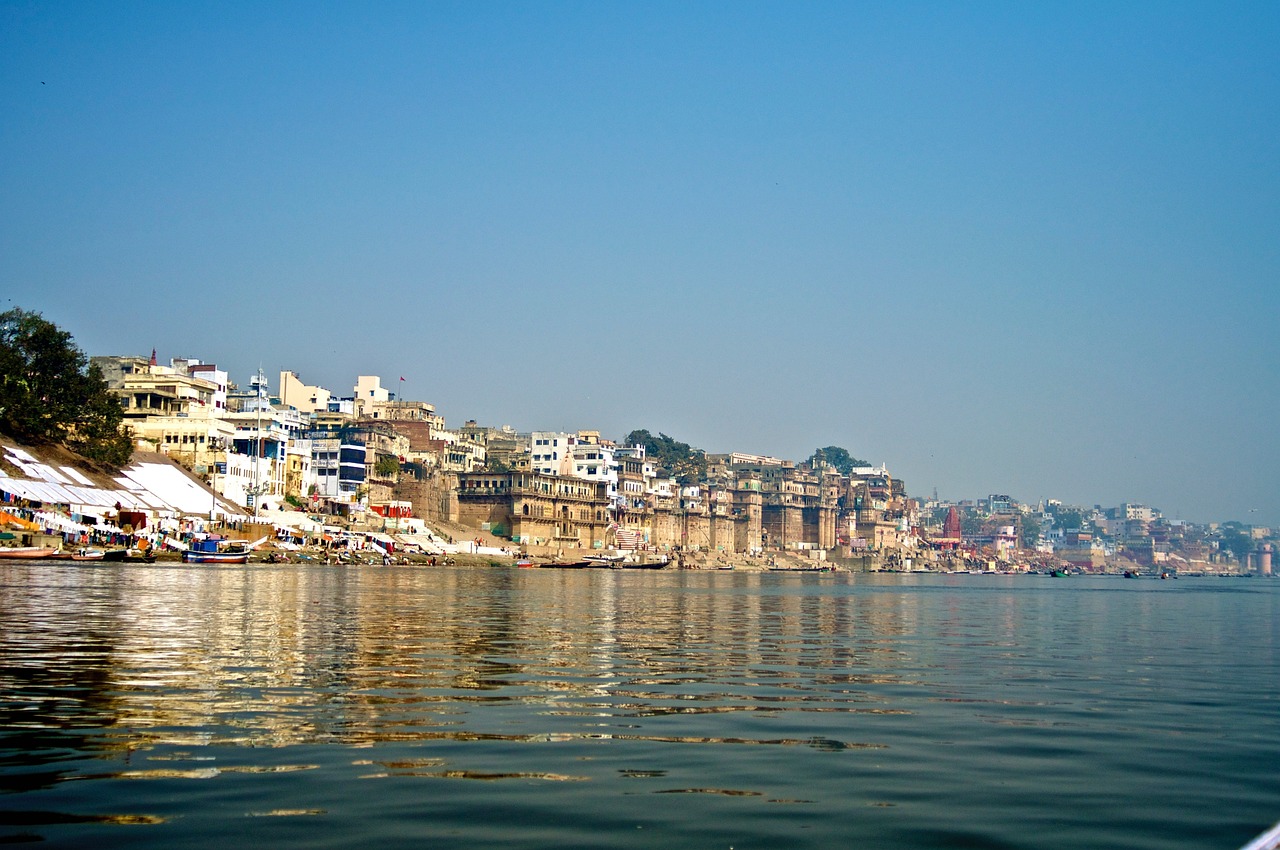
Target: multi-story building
column 145, row 388
column 536, row 509
column 304, row 397
column 299, row 477
column 405, row 411
column 338, row 465
column 369, row 392
column 595, row 461
column 551, row 452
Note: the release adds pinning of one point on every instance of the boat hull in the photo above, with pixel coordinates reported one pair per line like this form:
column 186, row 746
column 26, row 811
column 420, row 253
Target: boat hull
column 129, row 556
column 215, row 557
column 27, row 552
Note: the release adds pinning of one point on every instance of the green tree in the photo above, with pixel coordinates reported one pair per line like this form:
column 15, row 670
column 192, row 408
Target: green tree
column 386, row 466
column 679, row 460
column 1069, row 520
column 1028, row 532
column 50, row 393
column 837, row 457
column 1235, row 539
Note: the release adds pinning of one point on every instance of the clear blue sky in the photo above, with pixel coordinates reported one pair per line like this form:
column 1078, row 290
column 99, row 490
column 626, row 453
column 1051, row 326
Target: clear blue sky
column 1024, row 248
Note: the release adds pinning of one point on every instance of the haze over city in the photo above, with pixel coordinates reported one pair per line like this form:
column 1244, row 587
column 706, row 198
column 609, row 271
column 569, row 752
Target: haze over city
column 1024, row 249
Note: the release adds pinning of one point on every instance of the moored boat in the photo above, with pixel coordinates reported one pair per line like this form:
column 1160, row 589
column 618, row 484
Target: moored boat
column 130, row 556
column 27, row 552
column 215, row 550
column 226, row 556
column 88, row 555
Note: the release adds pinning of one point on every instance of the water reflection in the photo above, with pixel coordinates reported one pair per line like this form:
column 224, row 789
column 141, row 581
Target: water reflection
column 274, row 657
column 705, row 685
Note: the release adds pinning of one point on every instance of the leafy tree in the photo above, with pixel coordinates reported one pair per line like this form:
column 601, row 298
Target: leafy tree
column 837, row 457
column 50, row 393
column 386, row 466
column 1028, row 532
column 679, row 460
column 1235, row 539
column 1069, row 520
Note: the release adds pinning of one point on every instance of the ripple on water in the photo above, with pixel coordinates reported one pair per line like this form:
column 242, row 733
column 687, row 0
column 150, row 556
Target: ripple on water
column 867, row 711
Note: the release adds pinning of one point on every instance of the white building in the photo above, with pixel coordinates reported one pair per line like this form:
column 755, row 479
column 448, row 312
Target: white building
column 208, row 372
column 636, row 475
column 368, row 392
column 243, row 479
column 551, row 452
column 596, row 462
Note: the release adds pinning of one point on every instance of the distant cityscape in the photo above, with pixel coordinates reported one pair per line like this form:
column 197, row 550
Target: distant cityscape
column 373, row 453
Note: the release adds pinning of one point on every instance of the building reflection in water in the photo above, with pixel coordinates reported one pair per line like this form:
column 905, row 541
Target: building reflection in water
column 129, row 658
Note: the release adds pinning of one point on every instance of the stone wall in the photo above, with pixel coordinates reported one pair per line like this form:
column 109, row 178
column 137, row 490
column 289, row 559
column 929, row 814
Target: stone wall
column 432, row 492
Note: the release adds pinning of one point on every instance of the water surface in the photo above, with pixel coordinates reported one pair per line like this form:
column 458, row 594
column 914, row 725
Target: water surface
column 327, row 706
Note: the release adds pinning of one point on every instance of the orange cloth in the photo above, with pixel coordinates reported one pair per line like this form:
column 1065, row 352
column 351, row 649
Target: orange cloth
column 7, row 518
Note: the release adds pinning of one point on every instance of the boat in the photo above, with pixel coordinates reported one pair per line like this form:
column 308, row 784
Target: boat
column 226, row 556
column 632, row 559
column 130, row 556
column 27, row 552
column 88, row 555
column 604, row 559
column 220, row 551
column 1269, row 840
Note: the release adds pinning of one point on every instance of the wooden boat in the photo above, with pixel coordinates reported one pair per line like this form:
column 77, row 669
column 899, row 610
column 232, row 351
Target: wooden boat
column 27, row 552
column 220, row 551
column 88, row 555
column 130, row 556
column 225, row 556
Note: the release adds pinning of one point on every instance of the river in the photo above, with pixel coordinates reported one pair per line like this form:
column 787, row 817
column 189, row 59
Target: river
column 325, row 706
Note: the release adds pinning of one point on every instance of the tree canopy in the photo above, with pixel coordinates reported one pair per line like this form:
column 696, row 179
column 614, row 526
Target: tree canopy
column 1070, row 521
column 50, row 393
column 837, row 457
column 1236, row 540
column 679, row 460
column 1028, row 531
